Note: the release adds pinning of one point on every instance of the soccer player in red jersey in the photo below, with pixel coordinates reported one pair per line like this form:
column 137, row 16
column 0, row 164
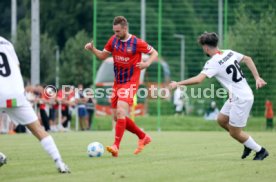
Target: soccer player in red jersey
column 126, row 50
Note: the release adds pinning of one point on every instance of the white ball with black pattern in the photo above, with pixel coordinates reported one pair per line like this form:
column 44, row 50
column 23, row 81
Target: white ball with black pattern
column 95, row 149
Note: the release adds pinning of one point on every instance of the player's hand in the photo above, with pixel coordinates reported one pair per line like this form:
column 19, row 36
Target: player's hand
column 89, row 46
column 173, row 85
column 142, row 65
column 260, row 83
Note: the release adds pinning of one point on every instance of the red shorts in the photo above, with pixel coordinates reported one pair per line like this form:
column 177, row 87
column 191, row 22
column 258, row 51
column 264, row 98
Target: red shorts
column 124, row 92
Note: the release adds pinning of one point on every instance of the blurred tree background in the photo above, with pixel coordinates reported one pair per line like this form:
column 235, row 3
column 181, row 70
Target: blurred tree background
column 67, row 24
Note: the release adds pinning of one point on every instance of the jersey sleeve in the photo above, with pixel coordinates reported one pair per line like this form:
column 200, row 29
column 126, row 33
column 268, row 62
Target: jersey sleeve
column 238, row 55
column 108, row 45
column 210, row 69
column 143, row 47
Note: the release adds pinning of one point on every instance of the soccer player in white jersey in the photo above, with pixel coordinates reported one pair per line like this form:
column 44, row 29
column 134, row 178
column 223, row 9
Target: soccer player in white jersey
column 14, row 103
column 224, row 66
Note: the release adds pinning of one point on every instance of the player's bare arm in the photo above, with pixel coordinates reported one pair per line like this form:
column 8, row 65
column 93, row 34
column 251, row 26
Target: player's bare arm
column 153, row 56
column 102, row 55
column 191, row 81
column 250, row 64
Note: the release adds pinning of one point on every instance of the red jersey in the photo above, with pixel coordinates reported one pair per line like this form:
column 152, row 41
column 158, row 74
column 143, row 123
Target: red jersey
column 126, row 54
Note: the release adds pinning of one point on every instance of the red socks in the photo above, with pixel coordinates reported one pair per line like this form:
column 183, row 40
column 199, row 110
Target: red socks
column 119, row 131
column 128, row 124
column 133, row 128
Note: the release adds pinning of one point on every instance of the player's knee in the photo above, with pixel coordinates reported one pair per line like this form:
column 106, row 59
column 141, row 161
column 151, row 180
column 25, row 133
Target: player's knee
column 120, row 113
column 223, row 120
column 220, row 121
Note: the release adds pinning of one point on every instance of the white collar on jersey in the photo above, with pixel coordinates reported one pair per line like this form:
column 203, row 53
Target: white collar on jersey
column 129, row 37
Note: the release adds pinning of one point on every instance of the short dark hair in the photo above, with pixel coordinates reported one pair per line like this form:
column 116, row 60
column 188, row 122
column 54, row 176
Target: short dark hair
column 120, row 20
column 208, row 38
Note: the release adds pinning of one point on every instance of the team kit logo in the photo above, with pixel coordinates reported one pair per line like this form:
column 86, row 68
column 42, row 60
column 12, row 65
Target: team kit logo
column 129, row 49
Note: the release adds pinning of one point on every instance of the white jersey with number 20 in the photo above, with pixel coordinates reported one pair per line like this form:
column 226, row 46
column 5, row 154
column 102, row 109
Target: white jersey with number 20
column 224, row 66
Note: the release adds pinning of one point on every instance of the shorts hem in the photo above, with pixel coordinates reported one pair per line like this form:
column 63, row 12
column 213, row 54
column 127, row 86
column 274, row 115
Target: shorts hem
column 238, row 126
column 224, row 113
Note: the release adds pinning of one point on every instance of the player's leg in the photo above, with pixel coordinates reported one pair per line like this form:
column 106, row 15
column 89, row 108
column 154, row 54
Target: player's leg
column 239, row 114
column 130, row 125
column 144, row 139
column 223, row 121
column 25, row 115
column 120, row 114
column 123, row 121
column 113, row 149
column 248, row 142
column 133, row 128
column 239, row 135
column 235, row 132
column 223, row 117
column 48, row 144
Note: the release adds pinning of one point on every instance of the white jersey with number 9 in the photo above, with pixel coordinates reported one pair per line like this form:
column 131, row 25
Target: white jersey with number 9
column 12, row 86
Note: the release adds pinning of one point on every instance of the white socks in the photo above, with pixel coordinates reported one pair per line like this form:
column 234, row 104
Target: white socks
column 250, row 143
column 50, row 147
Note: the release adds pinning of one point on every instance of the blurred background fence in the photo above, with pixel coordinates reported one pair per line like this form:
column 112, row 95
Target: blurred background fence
column 247, row 26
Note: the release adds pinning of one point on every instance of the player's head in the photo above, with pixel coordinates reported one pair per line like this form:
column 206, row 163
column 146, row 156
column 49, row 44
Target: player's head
column 120, row 27
column 208, row 41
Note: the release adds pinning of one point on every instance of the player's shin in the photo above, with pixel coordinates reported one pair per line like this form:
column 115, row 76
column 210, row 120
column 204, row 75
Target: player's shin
column 50, row 147
column 119, row 131
column 132, row 127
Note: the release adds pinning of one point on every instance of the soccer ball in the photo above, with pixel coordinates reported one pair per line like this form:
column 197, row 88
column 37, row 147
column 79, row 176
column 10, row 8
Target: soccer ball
column 95, row 149
column 3, row 159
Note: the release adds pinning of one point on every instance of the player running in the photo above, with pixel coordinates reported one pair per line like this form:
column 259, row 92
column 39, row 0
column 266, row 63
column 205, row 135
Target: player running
column 224, row 66
column 15, row 104
column 126, row 50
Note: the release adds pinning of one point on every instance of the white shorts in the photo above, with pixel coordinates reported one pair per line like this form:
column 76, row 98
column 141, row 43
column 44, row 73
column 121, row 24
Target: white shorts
column 23, row 114
column 238, row 111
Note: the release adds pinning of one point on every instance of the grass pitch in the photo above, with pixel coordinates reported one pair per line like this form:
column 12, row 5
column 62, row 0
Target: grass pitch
column 172, row 156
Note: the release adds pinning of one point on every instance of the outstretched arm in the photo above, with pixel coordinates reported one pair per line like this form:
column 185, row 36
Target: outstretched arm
column 153, row 56
column 250, row 64
column 99, row 54
column 191, row 81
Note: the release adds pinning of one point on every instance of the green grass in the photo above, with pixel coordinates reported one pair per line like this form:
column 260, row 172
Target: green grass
column 172, row 156
column 179, row 123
